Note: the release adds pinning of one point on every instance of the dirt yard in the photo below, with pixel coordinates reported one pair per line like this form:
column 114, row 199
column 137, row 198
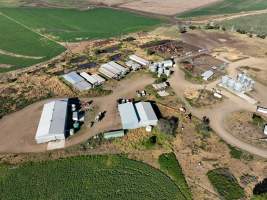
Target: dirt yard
column 166, row 7
column 240, row 124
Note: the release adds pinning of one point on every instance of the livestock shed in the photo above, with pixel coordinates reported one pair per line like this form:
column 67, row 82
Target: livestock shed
column 89, row 78
column 133, row 65
column 137, row 115
column 100, row 80
column 52, row 124
column 77, row 81
column 107, row 73
column 139, row 60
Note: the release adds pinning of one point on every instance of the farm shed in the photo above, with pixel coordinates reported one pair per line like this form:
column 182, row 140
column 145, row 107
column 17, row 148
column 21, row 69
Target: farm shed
column 146, row 114
column 89, row 78
column 139, row 60
column 99, row 79
column 137, row 115
column 207, row 75
column 107, row 73
column 133, row 65
column 128, row 114
column 77, row 81
column 52, row 124
column 114, row 134
column 115, row 65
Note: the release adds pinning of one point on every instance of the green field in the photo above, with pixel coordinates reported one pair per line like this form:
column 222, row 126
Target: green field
column 86, row 177
column 255, row 24
column 170, row 165
column 226, row 184
column 19, row 26
column 226, row 7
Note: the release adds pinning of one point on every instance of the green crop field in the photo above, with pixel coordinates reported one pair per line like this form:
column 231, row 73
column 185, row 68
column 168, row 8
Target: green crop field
column 255, row 24
column 226, row 184
column 170, row 165
column 226, row 7
column 23, row 29
column 86, row 177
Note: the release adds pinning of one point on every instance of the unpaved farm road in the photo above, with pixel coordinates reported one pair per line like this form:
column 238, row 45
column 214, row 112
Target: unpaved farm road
column 218, row 113
column 17, row 130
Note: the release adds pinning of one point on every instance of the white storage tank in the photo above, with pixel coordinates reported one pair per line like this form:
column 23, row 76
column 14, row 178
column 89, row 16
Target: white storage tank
column 231, row 83
column 238, row 87
column 225, row 80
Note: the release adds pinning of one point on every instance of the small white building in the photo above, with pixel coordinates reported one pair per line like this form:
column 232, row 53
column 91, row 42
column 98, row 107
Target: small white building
column 52, row 124
column 207, row 75
column 265, row 129
column 147, row 116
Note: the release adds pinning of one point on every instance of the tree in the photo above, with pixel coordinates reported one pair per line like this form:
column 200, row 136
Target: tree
column 260, row 188
column 168, row 126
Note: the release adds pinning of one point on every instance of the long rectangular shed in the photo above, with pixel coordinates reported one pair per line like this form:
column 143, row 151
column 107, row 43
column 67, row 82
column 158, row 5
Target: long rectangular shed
column 89, row 78
column 146, row 114
column 114, row 134
column 52, row 124
column 107, row 73
column 122, row 69
column 99, row 79
column 128, row 114
column 139, row 60
column 111, row 69
column 77, row 81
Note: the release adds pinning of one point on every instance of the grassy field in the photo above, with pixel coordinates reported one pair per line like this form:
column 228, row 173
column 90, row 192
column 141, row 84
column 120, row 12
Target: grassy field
column 256, row 24
column 170, row 165
column 19, row 26
column 91, row 177
column 225, row 184
column 226, row 7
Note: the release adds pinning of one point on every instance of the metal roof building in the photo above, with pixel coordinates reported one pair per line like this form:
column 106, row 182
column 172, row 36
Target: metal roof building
column 77, row 81
column 99, row 79
column 114, row 134
column 89, row 78
column 52, row 124
column 128, row 114
column 137, row 115
column 139, row 60
column 146, row 114
column 207, row 75
column 122, row 69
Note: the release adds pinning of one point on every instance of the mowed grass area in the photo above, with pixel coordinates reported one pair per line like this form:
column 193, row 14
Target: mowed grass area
column 255, row 24
column 86, row 177
column 19, row 26
column 226, row 7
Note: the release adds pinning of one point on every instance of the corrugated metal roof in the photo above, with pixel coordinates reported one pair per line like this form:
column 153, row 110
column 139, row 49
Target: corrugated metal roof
column 52, row 122
column 82, row 86
column 99, row 79
column 117, row 66
column 73, row 77
column 139, row 60
column 89, row 78
column 129, row 118
column 207, row 74
column 146, row 113
column 114, row 134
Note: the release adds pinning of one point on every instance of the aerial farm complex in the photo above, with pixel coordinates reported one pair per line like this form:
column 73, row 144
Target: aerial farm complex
column 108, row 100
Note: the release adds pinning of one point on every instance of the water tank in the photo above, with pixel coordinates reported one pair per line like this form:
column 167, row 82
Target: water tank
column 238, row 87
column 225, row 80
column 231, row 83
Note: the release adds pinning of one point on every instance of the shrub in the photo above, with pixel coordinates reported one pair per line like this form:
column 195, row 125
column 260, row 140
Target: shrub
column 168, row 126
column 260, row 188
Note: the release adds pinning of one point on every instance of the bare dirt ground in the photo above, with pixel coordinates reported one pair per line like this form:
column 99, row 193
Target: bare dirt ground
column 166, row 7
column 18, row 129
column 215, row 39
column 241, row 126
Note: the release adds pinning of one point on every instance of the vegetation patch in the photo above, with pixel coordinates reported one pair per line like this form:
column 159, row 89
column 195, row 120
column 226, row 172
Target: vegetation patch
column 86, row 177
column 226, row 184
column 170, row 165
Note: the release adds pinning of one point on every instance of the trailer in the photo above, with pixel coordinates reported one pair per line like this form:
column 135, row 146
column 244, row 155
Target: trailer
column 108, row 73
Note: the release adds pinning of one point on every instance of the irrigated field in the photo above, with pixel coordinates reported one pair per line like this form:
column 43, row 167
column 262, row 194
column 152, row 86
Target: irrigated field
column 22, row 45
column 255, row 23
column 226, row 7
column 87, row 177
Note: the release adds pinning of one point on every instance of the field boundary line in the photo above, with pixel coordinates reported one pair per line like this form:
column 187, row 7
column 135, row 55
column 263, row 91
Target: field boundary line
column 28, row 28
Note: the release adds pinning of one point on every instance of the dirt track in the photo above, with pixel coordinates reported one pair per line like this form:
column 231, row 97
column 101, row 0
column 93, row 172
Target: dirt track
column 18, row 129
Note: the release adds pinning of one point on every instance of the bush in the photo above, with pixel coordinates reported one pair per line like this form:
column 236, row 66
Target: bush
column 258, row 120
column 260, row 188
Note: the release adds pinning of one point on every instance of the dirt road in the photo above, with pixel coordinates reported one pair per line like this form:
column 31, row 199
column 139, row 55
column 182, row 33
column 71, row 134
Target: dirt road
column 218, row 113
column 17, row 130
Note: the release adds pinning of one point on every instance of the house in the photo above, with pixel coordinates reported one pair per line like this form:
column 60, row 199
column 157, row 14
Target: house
column 52, row 124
